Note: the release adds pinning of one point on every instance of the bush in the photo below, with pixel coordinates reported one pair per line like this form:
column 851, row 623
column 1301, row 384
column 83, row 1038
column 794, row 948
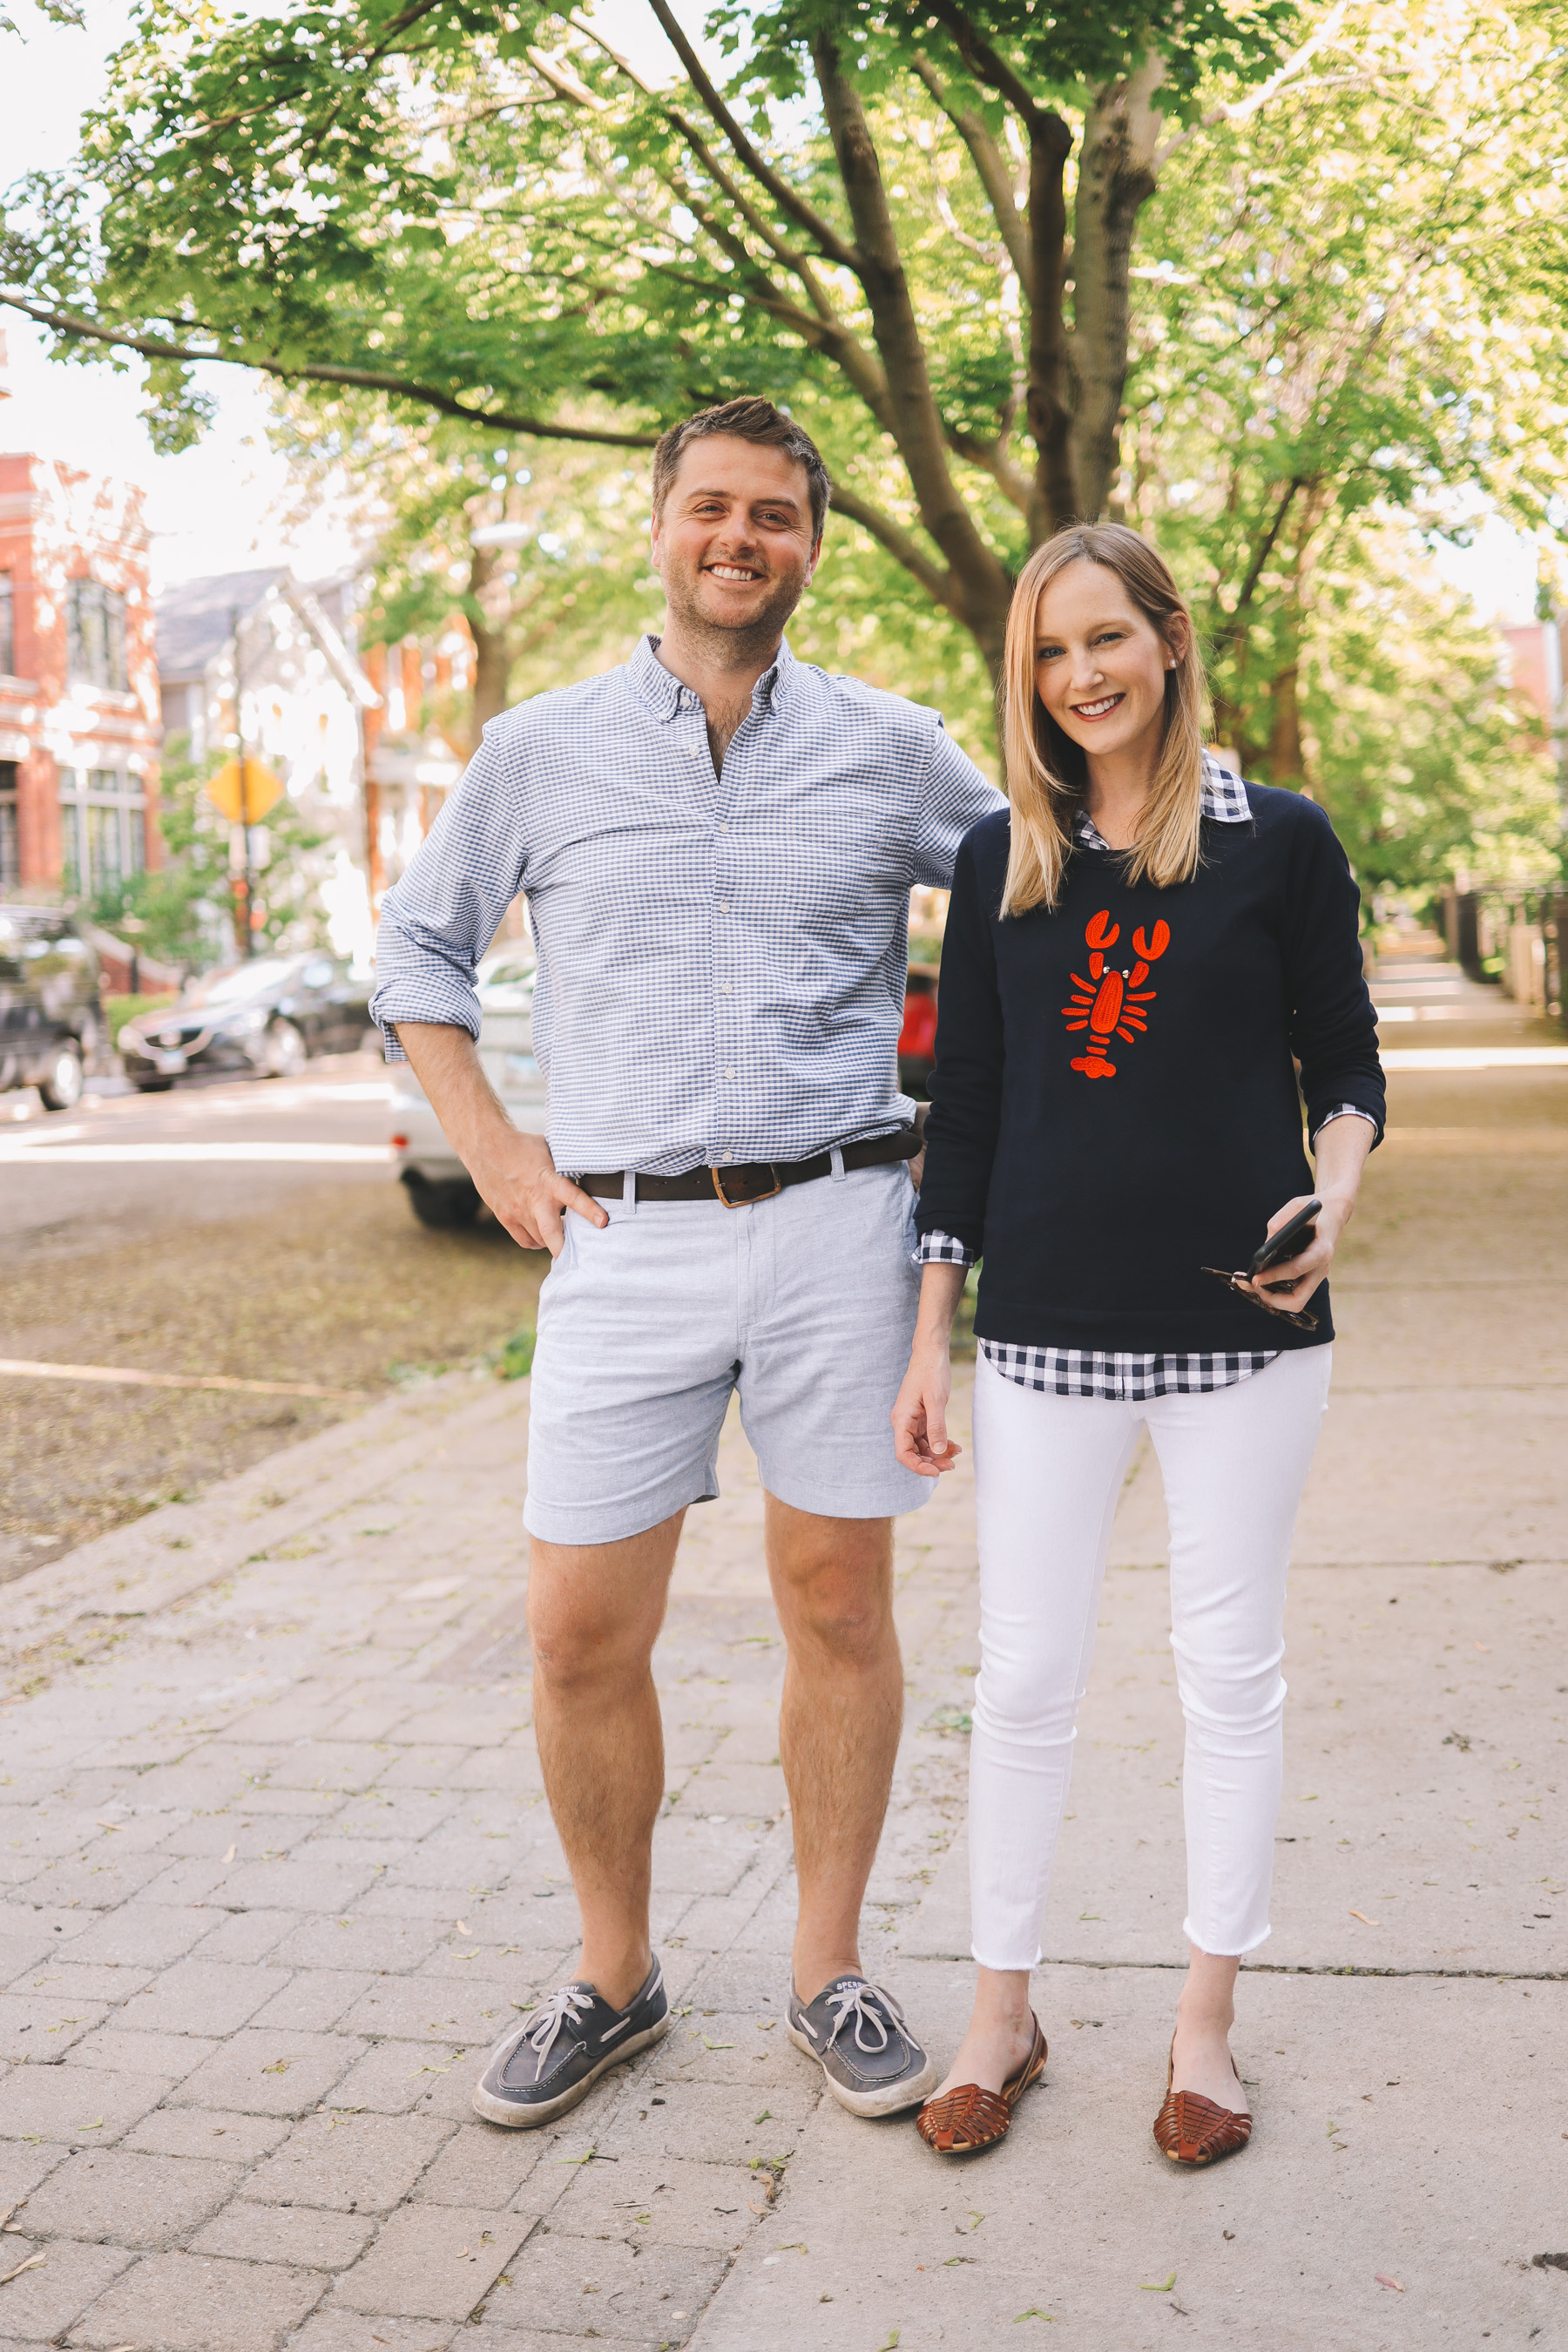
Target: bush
column 119, row 1010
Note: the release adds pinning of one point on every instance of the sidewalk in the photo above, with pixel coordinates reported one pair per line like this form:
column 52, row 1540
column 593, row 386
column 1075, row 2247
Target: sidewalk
column 276, row 1872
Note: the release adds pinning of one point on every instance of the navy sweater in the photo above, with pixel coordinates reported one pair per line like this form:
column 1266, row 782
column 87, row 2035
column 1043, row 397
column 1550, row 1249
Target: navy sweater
column 1114, row 1104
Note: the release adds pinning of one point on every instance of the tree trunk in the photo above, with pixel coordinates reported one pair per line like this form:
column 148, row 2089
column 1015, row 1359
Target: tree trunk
column 1286, row 762
column 485, row 608
column 981, row 587
column 1116, row 177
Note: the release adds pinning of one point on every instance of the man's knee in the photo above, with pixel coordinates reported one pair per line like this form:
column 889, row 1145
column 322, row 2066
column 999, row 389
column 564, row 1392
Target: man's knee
column 834, row 1586
column 578, row 1640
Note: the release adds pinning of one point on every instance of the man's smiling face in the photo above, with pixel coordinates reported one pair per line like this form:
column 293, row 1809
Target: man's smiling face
column 733, row 545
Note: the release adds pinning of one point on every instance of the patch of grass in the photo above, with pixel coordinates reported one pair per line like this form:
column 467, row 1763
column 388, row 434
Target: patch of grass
column 514, row 1358
column 119, row 1010
column 962, row 1346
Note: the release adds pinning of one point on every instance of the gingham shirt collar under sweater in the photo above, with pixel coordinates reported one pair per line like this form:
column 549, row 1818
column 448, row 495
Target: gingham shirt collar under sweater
column 721, row 960
column 1121, row 1379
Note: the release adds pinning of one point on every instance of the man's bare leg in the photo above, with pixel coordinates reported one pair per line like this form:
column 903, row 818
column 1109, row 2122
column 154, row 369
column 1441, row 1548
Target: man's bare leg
column 838, row 1725
column 594, row 1615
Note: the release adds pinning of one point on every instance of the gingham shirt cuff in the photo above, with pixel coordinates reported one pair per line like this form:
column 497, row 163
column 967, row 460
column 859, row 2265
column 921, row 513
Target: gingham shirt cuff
column 941, row 1249
column 1344, row 1110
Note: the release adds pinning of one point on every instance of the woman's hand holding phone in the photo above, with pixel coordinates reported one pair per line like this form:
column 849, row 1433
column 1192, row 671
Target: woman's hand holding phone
column 1341, row 1149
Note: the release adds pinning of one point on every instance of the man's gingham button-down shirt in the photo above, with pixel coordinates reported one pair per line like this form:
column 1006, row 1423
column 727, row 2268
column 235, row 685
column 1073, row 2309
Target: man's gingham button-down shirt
column 1124, row 1377
column 721, row 959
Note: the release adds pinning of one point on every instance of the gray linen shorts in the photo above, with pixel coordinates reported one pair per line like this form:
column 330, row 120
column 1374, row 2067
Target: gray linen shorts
column 804, row 1304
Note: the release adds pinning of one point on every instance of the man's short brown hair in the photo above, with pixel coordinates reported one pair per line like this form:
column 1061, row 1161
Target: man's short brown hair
column 748, row 420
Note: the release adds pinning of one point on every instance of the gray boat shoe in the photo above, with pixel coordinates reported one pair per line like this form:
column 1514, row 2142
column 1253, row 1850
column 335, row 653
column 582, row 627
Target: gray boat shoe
column 545, row 2065
column 878, row 2068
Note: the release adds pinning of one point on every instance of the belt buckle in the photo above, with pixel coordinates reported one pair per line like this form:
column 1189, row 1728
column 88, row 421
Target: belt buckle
column 751, row 1199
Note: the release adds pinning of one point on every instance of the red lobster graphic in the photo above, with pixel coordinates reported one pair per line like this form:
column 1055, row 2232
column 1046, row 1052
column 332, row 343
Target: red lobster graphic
column 1110, row 1002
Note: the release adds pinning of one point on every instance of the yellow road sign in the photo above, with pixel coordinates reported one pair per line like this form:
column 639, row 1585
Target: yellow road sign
column 261, row 789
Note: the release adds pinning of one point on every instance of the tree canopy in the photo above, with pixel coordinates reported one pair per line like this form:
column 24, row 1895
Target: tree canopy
column 915, row 226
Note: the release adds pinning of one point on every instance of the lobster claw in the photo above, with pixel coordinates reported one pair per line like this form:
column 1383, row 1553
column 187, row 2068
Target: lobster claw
column 1099, row 936
column 1149, row 948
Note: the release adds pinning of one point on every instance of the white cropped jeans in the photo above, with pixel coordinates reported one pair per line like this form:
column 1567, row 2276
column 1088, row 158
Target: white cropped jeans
column 1049, row 1471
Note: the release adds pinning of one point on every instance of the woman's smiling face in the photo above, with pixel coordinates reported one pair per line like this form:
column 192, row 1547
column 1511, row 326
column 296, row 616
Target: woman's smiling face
column 1099, row 663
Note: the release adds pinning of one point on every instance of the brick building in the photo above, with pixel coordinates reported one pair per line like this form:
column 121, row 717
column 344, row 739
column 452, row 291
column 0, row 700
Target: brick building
column 78, row 681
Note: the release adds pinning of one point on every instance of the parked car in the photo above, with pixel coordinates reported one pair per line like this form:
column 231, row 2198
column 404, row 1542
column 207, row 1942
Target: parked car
column 917, row 1038
column 51, row 1016
column 265, row 1017
column 441, row 1193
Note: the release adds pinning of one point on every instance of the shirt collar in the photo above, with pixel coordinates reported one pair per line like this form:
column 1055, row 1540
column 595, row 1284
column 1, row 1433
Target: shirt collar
column 1222, row 796
column 663, row 693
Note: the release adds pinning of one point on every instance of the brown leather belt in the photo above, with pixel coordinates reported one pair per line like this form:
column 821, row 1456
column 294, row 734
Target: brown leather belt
column 757, row 1179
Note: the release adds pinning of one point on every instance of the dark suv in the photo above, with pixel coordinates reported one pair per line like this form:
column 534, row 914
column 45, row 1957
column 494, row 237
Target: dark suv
column 50, row 1014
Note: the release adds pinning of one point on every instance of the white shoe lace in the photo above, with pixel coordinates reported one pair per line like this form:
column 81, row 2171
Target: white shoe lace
column 866, row 2004
column 566, row 2007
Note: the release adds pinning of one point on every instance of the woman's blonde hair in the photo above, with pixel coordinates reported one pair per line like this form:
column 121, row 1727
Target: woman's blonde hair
column 1045, row 769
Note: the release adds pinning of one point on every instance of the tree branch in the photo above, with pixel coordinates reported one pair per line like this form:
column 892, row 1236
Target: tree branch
column 992, row 168
column 778, row 187
column 1242, row 108
column 976, row 574
column 153, row 347
column 899, row 544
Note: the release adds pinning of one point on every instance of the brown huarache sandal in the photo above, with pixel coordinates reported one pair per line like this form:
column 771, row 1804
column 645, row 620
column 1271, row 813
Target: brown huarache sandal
column 962, row 2121
column 1194, row 2131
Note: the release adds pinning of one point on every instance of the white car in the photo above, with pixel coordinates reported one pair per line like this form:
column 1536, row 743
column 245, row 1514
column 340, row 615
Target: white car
column 440, row 1189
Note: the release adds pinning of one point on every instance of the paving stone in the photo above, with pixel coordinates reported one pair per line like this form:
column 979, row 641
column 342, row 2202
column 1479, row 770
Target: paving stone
column 391, row 1898
column 207, row 2132
column 23, row 1947
column 39, row 2029
column 398, row 1812
column 292, row 1885
column 314, row 1805
column 394, row 1945
column 142, row 1936
column 238, row 1938
column 201, row 1996
column 729, row 2047
column 433, row 2009
column 348, row 2331
column 74, row 2103
column 110, row 2050
column 22, row 2166
column 65, row 1979
column 432, row 2261
column 484, row 2166
column 661, row 2201
column 570, row 2284
column 711, row 2122
column 345, row 1766
column 127, row 2200
column 484, row 2338
column 41, row 2305
column 197, row 2302
column 297, row 2235
column 394, row 2076
column 98, row 1886
column 315, row 2000
column 269, row 2074
column 521, row 1969
column 348, row 2162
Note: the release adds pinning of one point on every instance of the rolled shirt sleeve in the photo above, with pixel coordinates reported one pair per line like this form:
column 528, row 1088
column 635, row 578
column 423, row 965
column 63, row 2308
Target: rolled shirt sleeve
column 439, row 918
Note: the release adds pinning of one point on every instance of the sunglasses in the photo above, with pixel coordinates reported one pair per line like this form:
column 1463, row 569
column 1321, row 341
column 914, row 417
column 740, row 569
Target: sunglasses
column 1243, row 1289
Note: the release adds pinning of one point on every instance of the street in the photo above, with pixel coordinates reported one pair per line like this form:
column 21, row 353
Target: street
column 248, row 1230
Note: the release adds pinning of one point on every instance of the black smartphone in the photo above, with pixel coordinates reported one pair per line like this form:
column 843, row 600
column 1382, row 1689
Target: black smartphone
column 1297, row 1234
